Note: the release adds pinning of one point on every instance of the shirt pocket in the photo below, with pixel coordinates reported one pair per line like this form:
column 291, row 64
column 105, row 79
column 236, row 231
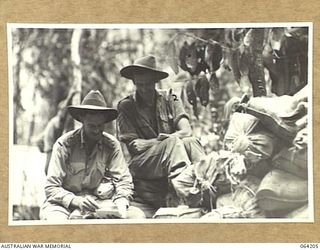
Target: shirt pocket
column 163, row 117
column 101, row 166
column 74, row 176
column 75, row 168
column 97, row 174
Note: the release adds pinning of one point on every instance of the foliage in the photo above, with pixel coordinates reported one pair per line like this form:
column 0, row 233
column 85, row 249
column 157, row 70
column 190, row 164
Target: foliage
column 207, row 67
column 41, row 78
column 43, row 69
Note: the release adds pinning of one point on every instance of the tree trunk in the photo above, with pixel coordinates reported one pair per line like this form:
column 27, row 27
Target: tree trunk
column 32, row 123
column 256, row 68
column 17, row 96
column 77, row 76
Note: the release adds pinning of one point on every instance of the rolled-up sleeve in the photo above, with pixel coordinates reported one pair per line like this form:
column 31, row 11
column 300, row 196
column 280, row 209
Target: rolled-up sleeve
column 178, row 110
column 126, row 131
column 120, row 173
column 54, row 191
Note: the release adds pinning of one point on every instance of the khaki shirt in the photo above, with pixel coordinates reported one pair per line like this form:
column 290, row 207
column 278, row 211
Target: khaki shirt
column 72, row 173
column 134, row 120
column 52, row 132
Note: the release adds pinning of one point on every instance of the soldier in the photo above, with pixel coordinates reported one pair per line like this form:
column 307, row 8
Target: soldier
column 156, row 130
column 81, row 159
column 56, row 127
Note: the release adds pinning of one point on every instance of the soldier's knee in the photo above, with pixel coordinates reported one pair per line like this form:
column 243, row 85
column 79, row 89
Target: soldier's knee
column 172, row 139
column 53, row 212
column 171, row 142
column 54, row 216
column 135, row 213
column 190, row 140
column 175, row 143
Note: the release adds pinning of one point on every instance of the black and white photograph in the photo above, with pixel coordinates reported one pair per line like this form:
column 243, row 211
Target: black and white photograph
column 160, row 123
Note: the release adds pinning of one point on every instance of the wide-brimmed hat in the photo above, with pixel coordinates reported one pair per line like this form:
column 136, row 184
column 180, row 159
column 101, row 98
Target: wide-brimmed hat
column 93, row 101
column 147, row 63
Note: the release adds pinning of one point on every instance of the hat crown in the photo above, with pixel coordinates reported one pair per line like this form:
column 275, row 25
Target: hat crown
column 94, row 98
column 146, row 61
column 93, row 101
column 143, row 64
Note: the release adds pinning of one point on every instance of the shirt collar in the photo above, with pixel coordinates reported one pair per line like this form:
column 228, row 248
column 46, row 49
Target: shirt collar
column 83, row 141
column 137, row 98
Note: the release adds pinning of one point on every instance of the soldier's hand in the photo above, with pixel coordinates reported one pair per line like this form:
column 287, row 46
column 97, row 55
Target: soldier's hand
column 85, row 203
column 141, row 145
column 163, row 136
column 122, row 205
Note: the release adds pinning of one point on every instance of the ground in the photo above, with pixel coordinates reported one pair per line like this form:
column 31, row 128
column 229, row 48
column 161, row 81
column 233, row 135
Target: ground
column 26, row 181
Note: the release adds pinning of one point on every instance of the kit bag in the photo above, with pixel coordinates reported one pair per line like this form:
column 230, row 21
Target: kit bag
column 245, row 135
column 200, row 183
column 300, row 213
column 278, row 114
column 243, row 196
column 280, row 191
column 292, row 161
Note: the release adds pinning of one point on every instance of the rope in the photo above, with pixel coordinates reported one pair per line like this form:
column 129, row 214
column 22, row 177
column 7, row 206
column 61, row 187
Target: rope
column 209, row 183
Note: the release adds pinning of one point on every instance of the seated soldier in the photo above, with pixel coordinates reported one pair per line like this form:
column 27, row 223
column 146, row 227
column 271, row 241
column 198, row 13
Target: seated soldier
column 81, row 159
column 156, row 129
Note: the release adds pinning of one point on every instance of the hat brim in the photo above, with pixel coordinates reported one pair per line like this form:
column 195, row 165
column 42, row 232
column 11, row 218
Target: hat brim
column 128, row 71
column 76, row 112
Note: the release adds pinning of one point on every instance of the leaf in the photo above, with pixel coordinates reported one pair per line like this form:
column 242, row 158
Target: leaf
column 172, row 57
column 192, row 98
column 202, row 90
column 198, row 87
column 248, row 38
column 238, row 35
column 182, row 56
column 202, row 65
column 213, row 55
column 244, row 64
column 195, row 109
column 214, row 83
column 275, row 38
column 242, row 48
column 235, row 65
column 192, row 59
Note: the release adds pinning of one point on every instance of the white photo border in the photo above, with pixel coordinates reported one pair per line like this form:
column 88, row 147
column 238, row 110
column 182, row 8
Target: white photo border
column 311, row 208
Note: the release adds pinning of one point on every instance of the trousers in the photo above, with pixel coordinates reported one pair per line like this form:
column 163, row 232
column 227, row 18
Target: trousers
column 158, row 161
column 55, row 212
column 152, row 169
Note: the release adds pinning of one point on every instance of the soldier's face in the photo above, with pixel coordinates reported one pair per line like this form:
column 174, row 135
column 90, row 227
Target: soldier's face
column 93, row 125
column 145, row 83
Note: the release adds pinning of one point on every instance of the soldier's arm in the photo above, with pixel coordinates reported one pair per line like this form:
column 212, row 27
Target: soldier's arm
column 56, row 173
column 180, row 118
column 127, row 130
column 183, row 128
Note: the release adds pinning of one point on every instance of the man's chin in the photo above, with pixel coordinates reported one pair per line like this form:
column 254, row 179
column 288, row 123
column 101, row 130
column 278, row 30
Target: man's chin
column 95, row 138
